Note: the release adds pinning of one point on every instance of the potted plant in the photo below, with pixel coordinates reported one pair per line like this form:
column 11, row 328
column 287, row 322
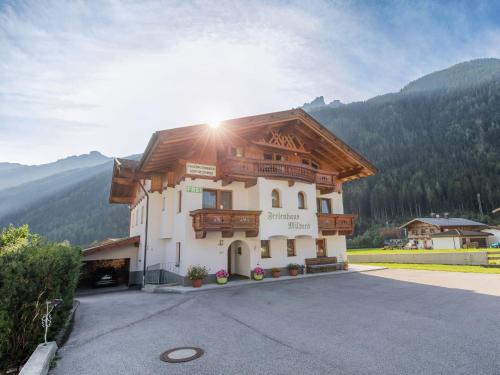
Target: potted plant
column 196, row 274
column 222, row 276
column 258, row 273
column 276, row 272
column 293, row 269
column 345, row 265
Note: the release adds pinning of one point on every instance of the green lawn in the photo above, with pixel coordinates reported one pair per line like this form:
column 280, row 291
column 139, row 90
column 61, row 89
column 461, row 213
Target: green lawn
column 438, row 267
column 382, row 251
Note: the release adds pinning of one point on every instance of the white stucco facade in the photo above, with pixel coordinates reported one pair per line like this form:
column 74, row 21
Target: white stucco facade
column 170, row 227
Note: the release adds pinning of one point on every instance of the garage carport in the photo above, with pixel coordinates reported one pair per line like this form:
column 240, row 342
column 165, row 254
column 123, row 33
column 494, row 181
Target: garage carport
column 118, row 255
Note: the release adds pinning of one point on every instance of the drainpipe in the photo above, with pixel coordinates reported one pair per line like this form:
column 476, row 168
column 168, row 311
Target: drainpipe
column 145, row 235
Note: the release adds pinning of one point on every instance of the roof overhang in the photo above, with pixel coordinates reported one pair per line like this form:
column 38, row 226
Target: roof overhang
column 111, row 244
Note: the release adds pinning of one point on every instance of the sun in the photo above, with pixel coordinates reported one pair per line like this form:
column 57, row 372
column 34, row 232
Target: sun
column 214, row 124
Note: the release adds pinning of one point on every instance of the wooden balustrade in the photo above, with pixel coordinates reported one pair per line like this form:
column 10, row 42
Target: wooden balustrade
column 239, row 168
column 225, row 221
column 341, row 224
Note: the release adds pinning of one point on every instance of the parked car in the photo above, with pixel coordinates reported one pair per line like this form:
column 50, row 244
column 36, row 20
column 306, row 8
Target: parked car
column 495, row 245
column 104, row 277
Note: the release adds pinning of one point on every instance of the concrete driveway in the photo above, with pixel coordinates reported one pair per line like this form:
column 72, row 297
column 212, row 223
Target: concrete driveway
column 360, row 323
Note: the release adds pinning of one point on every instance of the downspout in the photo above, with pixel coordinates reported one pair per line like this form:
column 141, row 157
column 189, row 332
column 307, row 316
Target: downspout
column 145, row 235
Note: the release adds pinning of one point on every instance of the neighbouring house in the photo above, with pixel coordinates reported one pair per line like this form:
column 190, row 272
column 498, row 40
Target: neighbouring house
column 420, row 231
column 262, row 190
column 460, row 239
column 495, row 234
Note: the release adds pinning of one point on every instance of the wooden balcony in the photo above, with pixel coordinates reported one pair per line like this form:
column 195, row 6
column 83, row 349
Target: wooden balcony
column 248, row 169
column 225, row 221
column 329, row 224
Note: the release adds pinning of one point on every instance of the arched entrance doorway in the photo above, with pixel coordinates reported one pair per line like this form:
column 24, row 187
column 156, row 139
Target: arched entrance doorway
column 238, row 259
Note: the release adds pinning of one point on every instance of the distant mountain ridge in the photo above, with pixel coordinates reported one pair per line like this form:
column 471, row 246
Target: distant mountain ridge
column 459, row 76
column 13, row 174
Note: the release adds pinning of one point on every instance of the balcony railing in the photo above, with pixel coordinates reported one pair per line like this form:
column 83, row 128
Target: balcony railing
column 250, row 168
column 225, row 221
column 336, row 224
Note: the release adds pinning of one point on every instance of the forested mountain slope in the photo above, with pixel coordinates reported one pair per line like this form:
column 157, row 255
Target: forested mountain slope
column 79, row 213
column 435, row 149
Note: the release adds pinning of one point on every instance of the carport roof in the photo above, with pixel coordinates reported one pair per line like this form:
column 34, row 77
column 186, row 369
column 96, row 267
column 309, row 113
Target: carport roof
column 111, row 243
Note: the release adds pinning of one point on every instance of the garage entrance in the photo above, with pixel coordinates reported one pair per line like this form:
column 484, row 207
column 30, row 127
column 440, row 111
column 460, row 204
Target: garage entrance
column 109, row 263
column 104, row 272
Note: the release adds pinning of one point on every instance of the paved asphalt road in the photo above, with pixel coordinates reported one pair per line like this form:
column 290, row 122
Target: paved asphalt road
column 361, row 323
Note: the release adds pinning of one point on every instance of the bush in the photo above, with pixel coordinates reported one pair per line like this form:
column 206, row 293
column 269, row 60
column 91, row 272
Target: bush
column 31, row 272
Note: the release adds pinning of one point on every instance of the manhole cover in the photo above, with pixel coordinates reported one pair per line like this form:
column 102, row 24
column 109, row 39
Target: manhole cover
column 183, row 354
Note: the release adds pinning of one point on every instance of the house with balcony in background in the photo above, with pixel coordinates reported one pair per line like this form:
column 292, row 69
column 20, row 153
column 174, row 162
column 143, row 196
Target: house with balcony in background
column 263, row 190
column 445, row 233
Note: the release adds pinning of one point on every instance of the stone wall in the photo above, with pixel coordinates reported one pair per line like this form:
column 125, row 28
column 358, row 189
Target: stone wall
column 458, row 258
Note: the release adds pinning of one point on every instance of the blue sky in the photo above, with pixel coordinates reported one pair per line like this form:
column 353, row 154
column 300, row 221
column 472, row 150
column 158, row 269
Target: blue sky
column 103, row 75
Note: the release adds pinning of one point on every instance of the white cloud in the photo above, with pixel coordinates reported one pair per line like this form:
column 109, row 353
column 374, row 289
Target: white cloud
column 87, row 75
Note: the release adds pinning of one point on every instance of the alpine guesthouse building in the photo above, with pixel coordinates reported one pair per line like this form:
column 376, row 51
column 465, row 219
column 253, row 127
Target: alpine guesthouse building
column 262, row 191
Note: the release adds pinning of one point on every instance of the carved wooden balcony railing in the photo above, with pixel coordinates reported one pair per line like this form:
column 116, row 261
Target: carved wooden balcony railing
column 225, row 221
column 240, row 168
column 340, row 224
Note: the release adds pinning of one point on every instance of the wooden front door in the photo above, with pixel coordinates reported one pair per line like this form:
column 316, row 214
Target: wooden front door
column 320, row 248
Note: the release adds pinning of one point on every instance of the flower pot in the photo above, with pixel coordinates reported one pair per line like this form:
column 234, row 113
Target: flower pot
column 293, row 272
column 221, row 280
column 345, row 266
column 276, row 274
column 258, row 277
column 197, row 283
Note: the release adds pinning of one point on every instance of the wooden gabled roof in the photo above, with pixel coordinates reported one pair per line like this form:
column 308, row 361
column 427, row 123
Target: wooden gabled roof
column 166, row 147
column 301, row 131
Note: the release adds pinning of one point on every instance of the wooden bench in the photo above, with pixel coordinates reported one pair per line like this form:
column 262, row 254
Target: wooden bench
column 323, row 264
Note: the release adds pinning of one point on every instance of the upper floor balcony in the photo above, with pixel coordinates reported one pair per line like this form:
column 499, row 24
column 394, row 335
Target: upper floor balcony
column 342, row 224
column 225, row 221
column 242, row 168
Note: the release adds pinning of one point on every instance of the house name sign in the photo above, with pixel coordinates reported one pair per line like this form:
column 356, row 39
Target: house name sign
column 293, row 220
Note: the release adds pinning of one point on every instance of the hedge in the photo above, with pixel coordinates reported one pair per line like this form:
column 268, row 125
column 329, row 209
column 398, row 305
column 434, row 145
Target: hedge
column 31, row 272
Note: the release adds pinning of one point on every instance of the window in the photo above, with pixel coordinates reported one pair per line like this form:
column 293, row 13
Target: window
column 209, row 199
column 179, row 201
column 142, row 214
column 222, row 199
column 302, row 200
column 177, row 254
column 226, row 200
column 275, row 197
column 273, row 156
column 290, row 248
column 265, row 249
column 163, row 204
column 320, row 248
column 324, row 205
column 237, row 151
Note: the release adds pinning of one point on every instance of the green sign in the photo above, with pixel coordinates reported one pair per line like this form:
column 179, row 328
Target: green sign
column 194, row 189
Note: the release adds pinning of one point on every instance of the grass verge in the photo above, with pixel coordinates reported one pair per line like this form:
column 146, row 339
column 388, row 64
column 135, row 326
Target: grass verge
column 438, row 267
